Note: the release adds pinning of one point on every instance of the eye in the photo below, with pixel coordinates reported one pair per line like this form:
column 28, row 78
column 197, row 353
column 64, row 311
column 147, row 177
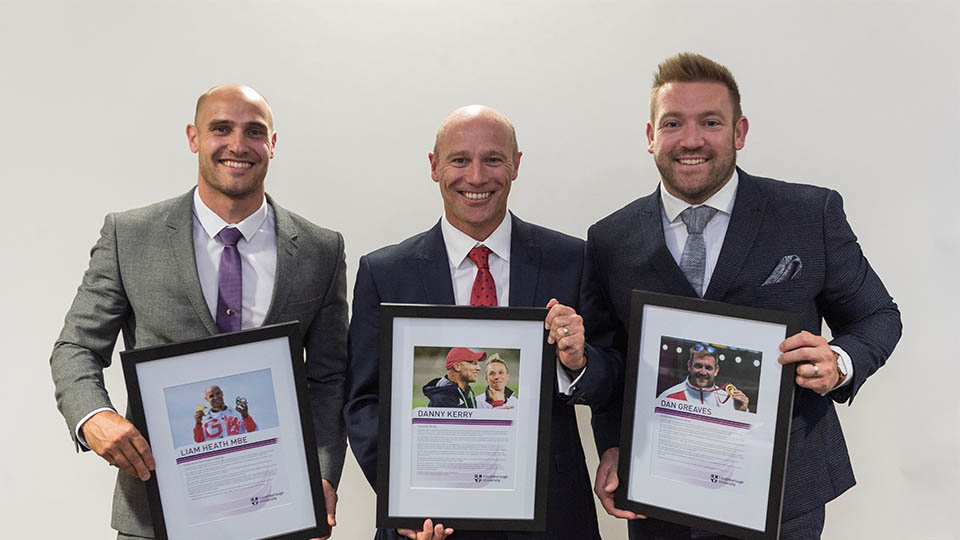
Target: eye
column 671, row 124
column 712, row 123
column 256, row 132
column 495, row 160
column 220, row 130
column 459, row 161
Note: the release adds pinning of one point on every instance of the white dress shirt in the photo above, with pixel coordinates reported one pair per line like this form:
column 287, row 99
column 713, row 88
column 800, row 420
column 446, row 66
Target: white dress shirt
column 463, row 272
column 675, row 236
column 258, row 266
column 258, row 258
column 675, row 231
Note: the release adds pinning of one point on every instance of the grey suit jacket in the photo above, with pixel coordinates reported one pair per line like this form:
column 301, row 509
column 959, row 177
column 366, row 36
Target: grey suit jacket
column 142, row 281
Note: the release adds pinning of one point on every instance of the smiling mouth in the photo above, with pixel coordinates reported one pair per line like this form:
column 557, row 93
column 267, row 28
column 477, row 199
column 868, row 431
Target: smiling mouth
column 236, row 164
column 692, row 161
column 473, row 196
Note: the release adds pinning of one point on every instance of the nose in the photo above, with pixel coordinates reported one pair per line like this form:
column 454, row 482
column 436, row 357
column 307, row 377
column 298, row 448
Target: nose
column 474, row 174
column 691, row 138
column 236, row 142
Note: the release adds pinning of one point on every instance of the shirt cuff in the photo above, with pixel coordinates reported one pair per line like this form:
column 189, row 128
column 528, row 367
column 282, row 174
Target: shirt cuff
column 845, row 359
column 80, row 438
column 564, row 384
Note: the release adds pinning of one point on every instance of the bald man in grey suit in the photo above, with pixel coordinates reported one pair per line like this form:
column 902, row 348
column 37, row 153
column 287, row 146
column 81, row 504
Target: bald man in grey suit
column 153, row 275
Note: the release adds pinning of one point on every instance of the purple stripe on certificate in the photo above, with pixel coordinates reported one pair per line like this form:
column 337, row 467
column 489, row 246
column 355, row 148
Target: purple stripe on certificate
column 692, row 416
column 230, row 450
column 464, row 422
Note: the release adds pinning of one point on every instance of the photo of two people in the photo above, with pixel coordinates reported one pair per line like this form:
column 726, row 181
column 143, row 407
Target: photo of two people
column 466, row 377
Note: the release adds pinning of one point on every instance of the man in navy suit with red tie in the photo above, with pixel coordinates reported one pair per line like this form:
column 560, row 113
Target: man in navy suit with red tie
column 479, row 254
column 711, row 230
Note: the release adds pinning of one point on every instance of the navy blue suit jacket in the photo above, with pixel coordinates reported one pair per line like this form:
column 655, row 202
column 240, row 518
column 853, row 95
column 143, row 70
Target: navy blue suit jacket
column 770, row 219
column 544, row 264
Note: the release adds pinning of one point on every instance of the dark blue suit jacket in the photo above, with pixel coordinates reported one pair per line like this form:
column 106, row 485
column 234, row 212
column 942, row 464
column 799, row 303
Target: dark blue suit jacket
column 770, row 219
column 544, row 264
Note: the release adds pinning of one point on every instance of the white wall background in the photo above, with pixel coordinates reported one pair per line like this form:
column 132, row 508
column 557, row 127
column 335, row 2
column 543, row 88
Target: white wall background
column 860, row 96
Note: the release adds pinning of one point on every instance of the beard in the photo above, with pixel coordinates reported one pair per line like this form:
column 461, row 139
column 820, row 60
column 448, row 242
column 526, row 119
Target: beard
column 696, row 189
column 705, row 382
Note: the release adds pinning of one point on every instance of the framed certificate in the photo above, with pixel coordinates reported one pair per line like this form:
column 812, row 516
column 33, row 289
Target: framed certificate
column 230, row 429
column 466, row 395
column 706, row 415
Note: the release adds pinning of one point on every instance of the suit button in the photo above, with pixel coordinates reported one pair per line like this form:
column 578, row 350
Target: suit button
column 229, row 311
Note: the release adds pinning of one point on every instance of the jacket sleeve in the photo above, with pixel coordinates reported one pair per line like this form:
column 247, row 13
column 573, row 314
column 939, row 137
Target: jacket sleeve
column 86, row 342
column 862, row 315
column 326, row 358
column 602, row 384
column 361, row 410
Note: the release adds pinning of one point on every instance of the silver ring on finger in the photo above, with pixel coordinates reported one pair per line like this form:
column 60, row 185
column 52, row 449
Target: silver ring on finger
column 565, row 330
column 816, row 371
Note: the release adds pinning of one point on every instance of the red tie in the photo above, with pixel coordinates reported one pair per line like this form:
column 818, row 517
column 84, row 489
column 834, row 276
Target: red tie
column 484, row 289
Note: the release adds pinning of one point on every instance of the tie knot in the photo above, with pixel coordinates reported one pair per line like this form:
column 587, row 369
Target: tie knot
column 697, row 218
column 479, row 256
column 229, row 236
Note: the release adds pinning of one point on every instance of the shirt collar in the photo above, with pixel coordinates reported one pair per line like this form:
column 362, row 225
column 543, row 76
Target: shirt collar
column 698, row 389
column 459, row 244
column 721, row 200
column 212, row 223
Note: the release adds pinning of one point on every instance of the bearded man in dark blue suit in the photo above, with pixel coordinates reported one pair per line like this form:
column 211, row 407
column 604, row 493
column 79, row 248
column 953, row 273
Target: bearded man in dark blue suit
column 762, row 243
column 475, row 161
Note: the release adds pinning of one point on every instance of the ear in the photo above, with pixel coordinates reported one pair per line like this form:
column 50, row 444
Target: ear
column 193, row 138
column 273, row 144
column 433, row 166
column 649, row 137
column 740, row 133
column 516, row 165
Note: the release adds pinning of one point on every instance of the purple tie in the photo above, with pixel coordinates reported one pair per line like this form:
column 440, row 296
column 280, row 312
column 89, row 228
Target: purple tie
column 230, row 289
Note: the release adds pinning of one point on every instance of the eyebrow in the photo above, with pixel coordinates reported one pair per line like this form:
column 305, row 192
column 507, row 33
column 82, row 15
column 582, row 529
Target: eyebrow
column 703, row 114
column 465, row 153
column 227, row 122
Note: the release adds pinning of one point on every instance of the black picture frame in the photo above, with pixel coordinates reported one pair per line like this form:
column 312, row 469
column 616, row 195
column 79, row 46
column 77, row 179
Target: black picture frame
column 285, row 363
column 636, row 426
column 539, row 357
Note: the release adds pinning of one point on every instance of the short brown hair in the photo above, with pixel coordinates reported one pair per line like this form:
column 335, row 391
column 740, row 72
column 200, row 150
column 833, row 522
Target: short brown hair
column 702, row 353
column 692, row 67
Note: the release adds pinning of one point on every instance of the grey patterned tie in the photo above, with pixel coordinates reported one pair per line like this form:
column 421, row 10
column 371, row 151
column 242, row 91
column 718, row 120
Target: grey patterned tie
column 693, row 261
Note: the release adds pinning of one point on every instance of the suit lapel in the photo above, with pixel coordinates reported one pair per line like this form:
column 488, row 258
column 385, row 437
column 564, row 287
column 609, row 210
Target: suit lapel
column 742, row 231
column 287, row 262
column 649, row 236
column 435, row 268
column 524, row 264
column 180, row 223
